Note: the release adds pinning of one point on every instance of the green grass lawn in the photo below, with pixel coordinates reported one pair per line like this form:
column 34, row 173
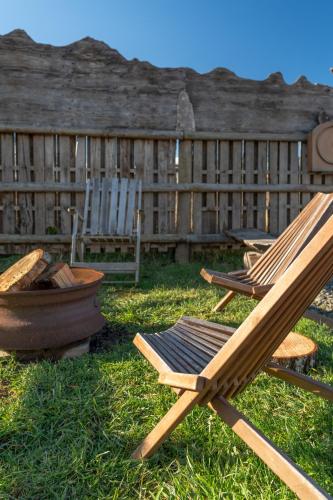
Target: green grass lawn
column 67, row 429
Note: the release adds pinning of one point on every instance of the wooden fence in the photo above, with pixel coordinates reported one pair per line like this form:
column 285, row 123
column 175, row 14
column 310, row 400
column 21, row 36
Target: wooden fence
column 195, row 185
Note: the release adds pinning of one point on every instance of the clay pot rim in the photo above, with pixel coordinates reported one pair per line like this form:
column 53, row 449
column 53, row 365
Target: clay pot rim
column 98, row 277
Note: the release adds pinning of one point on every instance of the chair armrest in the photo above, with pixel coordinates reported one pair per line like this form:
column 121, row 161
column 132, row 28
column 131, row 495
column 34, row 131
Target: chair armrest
column 187, row 381
column 74, row 211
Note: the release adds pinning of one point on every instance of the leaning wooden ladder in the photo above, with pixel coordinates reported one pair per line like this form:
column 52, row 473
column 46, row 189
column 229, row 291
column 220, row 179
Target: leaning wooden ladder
column 112, row 214
column 256, row 281
column 187, row 359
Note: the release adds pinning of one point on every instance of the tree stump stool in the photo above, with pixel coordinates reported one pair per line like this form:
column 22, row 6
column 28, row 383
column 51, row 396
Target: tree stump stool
column 250, row 258
column 73, row 350
column 297, row 352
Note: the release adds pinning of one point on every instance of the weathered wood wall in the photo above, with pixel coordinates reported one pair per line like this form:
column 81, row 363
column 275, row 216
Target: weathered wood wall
column 88, row 85
column 214, row 151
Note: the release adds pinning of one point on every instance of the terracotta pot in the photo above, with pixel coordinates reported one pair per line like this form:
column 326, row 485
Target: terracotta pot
column 43, row 319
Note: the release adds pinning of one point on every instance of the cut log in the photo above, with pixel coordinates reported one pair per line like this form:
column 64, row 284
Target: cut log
column 58, row 275
column 24, row 272
column 297, row 352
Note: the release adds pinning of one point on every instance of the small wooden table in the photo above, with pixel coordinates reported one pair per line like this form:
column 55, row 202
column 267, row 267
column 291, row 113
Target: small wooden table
column 255, row 239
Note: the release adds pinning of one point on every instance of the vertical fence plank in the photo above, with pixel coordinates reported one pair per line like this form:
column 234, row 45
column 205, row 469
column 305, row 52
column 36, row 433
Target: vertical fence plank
column 224, row 167
column 209, row 215
column 162, row 165
column 39, row 162
column 197, row 177
column 261, row 179
column 111, row 157
column 306, row 178
column 64, row 171
column 50, row 222
column 171, row 178
column 294, row 178
column 80, row 170
column 327, row 180
column 125, row 157
column 273, row 225
column 184, row 199
column 24, row 174
column 148, row 198
column 283, row 179
column 249, row 164
column 7, row 156
column 237, row 179
column 139, row 158
column 95, row 156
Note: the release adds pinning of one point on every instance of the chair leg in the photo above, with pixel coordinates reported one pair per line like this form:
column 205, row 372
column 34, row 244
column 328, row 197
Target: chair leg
column 224, row 301
column 137, row 260
column 80, row 251
column 73, row 251
column 169, row 422
column 292, row 475
column 307, row 383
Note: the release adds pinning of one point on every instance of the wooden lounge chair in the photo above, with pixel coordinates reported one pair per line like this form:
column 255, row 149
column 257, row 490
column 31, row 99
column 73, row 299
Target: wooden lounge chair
column 209, row 364
column 256, row 281
column 112, row 214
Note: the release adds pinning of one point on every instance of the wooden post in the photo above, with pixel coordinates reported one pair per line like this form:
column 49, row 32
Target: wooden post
column 182, row 254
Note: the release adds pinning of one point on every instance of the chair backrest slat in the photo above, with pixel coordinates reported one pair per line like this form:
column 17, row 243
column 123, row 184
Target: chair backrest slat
column 302, row 235
column 105, row 200
column 130, row 207
column 95, row 206
column 254, row 342
column 113, row 216
column 122, row 206
column 110, row 206
column 289, row 244
column 274, row 253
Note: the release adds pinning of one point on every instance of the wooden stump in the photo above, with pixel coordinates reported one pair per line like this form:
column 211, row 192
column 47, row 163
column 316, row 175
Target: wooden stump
column 297, row 352
column 24, row 272
column 250, row 258
column 69, row 351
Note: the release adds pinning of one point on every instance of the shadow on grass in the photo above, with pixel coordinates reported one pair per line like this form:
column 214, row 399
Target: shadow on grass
column 74, row 424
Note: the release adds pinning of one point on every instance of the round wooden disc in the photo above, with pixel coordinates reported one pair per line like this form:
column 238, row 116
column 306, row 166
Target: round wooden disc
column 325, row 144
column 295, row 346
column 21, row 274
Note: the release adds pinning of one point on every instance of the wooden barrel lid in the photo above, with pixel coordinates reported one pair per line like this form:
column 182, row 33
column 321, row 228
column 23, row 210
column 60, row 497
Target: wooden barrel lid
column 295, row 345
column 325, row 144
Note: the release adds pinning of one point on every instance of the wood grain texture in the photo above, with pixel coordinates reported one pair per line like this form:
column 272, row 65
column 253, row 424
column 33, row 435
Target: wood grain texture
column 22, row 274
column 110, row 91
column 24, row 174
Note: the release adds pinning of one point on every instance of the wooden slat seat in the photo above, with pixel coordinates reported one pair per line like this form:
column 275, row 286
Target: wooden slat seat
column 259, row 241
column 243, row 283
column 258, row 280
column 191, row 343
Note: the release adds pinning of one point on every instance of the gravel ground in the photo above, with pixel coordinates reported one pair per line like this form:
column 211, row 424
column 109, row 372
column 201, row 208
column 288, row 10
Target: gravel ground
column 324, row 301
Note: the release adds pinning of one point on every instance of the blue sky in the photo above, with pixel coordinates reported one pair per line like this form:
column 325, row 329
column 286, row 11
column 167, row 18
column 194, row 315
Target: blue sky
column 251, row 37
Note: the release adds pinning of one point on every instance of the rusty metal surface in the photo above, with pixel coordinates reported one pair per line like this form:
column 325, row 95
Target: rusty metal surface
column 43, row 319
